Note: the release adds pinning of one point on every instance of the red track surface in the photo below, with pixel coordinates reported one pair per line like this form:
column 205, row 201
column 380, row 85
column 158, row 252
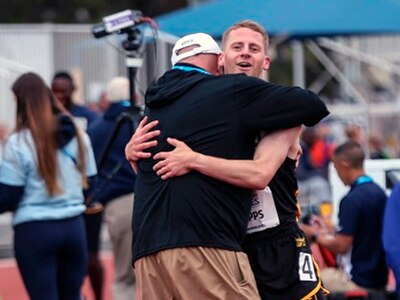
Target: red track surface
column 12, row 287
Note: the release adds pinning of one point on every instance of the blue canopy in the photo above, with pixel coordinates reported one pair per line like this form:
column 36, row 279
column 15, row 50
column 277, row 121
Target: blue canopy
column 294, row 18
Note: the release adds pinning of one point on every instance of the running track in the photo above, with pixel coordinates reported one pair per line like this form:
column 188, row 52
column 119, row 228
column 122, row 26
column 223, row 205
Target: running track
column 12, row 288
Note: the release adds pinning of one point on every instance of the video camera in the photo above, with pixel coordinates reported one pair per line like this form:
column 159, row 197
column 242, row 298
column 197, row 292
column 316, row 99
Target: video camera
column 120, row 22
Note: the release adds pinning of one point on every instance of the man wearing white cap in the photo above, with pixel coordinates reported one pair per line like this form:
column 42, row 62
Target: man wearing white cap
column 188, row 230
column 200, row 43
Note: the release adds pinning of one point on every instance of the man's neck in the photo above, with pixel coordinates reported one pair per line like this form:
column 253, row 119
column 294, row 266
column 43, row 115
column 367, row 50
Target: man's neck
column 356, row 174
column 190, row 67
column 208, row 62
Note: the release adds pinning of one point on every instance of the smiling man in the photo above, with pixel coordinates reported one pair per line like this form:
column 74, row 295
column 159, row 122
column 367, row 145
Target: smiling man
column 245, row 47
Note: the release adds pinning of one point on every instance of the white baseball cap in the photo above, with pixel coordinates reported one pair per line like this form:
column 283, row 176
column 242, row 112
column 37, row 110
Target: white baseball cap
column 205, row 43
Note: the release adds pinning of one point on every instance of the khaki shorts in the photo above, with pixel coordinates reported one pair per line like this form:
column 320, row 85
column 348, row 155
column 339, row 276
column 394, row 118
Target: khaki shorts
column 195, row 273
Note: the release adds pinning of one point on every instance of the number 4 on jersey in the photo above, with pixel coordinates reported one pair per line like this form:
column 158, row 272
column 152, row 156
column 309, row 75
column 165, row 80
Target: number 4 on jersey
column 306, row 267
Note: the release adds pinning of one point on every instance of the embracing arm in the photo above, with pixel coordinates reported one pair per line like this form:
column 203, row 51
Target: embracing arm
column 142, row 139
column 254, row 174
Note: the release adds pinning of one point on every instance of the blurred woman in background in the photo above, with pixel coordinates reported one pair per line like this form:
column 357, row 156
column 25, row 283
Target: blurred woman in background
column 45, row 165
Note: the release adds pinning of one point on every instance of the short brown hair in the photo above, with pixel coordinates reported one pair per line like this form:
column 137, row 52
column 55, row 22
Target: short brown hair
column 252, row 25
column 352, row 152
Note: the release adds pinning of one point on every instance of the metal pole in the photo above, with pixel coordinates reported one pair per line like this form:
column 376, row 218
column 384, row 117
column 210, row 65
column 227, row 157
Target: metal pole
column 298, row 64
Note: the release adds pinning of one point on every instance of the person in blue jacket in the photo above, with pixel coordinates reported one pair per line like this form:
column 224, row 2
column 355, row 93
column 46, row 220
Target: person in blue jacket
column 116, row 180
column 390, row 236
column 46, row 164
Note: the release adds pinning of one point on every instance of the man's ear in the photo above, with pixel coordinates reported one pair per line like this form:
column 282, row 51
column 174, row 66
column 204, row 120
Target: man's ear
column 221, row 60
column 267, row 62
column 345, row 163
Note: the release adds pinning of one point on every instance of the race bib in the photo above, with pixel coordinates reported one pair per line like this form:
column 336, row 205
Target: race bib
column 306, row 267
column 263, row 212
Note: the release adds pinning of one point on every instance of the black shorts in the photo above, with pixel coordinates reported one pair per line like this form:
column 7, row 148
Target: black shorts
column 284, row 268
column 93, row 230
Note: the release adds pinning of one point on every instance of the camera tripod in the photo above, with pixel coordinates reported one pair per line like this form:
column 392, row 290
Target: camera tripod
column 133, row 116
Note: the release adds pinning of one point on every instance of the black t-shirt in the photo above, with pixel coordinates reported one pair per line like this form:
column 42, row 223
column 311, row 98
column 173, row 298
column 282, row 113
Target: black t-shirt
column 284, row 191
column 217, row 116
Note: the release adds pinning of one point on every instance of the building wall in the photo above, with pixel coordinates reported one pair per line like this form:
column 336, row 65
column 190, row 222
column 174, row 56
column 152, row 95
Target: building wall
column 47, row 48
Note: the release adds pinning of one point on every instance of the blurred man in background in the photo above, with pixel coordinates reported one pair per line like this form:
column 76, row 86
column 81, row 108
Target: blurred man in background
column 63, row 87
column 116, row 180
column 357, row 240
